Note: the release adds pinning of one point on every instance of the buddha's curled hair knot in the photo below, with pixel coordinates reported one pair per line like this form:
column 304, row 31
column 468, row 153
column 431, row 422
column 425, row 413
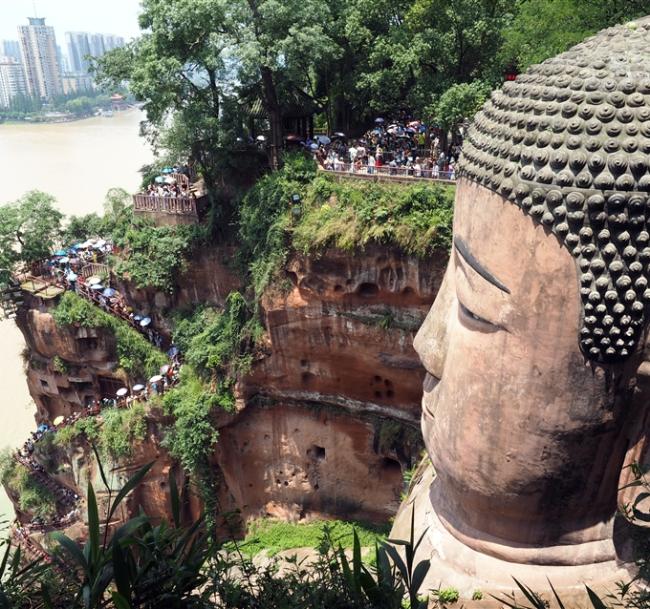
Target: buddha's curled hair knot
column 568, row 142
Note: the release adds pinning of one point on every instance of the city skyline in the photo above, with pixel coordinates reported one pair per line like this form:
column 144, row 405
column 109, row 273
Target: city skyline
column 119, row 17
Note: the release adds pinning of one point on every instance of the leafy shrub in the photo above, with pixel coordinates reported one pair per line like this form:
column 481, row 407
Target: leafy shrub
column 193, row 436
column 218, row 344
column 155, row 256
column 32, row 496
column 135, row 353
column 60, row 365
column 417, row 218
column 121, row 430
column 87, row 427
column 265, row 216
column 447, row 595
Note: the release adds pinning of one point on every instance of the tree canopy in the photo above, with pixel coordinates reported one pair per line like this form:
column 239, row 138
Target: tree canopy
column 29, row 229
column 204, row 68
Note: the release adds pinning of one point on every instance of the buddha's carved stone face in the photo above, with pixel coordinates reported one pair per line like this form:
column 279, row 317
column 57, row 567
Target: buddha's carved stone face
column 523, row 431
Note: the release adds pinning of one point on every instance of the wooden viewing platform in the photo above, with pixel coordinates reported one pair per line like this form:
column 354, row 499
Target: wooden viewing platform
column 170, row 210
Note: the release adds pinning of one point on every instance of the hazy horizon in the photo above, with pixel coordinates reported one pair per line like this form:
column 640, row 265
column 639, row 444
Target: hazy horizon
column 117, row 17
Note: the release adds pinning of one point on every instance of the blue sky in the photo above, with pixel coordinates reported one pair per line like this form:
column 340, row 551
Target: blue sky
column 104, row 16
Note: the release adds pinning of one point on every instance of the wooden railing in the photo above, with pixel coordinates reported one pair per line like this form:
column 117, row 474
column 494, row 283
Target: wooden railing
column 95, row 269
column 180, row 178
column 185, row 206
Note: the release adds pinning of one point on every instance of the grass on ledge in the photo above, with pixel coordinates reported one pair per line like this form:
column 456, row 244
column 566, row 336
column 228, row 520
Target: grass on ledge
column 275, row 536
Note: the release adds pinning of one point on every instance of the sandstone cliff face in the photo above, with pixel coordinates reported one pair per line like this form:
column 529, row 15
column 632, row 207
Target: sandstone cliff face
column 66, row 369
column 209, row 278
column 328, row 418
column 343, row 333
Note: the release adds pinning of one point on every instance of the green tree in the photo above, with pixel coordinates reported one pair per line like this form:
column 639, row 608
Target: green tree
column 544, row 28
column 457, row 104
column 30, row 229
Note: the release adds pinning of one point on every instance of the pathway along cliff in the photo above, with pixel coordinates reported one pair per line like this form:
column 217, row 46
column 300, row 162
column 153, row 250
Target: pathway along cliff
column 77, row 163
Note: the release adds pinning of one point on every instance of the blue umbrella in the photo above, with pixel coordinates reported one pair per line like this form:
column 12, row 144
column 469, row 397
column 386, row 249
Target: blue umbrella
column 71, row 276
column 60, row 253
column 137, row 317
column 379, row 121
column 145, row 322
column 97, row 287
column 173, row 352
column 42, row 427
column 109, row 292
column 168, row 170
column 64, row 260
column 159, row 179
column 314, row 146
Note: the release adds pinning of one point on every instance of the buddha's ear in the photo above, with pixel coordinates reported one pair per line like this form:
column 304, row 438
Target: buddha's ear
column 638, row 430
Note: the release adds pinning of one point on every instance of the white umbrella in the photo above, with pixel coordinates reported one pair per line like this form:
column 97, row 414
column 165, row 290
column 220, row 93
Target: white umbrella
column 122, row 392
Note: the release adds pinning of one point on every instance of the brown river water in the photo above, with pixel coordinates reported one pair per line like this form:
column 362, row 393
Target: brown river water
column 76, row 162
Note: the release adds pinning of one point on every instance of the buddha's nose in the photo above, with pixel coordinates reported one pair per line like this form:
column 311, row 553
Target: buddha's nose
column 430, row 342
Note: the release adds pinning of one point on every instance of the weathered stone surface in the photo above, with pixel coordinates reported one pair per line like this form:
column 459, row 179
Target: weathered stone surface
column 339, row 367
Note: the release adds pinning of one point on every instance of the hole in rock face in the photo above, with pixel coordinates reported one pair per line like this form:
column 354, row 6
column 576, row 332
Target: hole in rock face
column 376, row 378
column 391, row 466
column 304, row 363
column 368, row 290
column 307, row 377
column 277, row 481
column 378, row 394
column 316, row 452
column 388, row 383
column 390, row 393
column 267, row 436
column 338, row 288
column 292, row 277
column 316, row 487
column 408, row 291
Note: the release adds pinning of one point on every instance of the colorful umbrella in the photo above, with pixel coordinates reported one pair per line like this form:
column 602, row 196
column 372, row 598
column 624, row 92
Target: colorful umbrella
column 109, row 292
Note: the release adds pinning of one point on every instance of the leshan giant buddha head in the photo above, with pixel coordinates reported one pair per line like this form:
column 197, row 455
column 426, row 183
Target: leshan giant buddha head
column 534, row 398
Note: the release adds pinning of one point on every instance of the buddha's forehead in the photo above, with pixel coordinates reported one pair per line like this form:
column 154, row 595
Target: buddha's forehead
column 569, row 143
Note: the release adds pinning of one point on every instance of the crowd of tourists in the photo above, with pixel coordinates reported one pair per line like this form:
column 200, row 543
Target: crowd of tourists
column 66, row 268
column 401, row 148
column 172, row 182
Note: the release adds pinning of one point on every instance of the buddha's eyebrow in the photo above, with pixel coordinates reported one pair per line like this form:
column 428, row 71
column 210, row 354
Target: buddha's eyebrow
column 467, row 256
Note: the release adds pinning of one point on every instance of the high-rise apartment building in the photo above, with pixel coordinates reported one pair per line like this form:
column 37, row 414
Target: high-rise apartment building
column 39, row 57
column 10, row 48
column 113, row 42
column 97, row 48
column 78, row 50
column 82, row 44
column 12, row 80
